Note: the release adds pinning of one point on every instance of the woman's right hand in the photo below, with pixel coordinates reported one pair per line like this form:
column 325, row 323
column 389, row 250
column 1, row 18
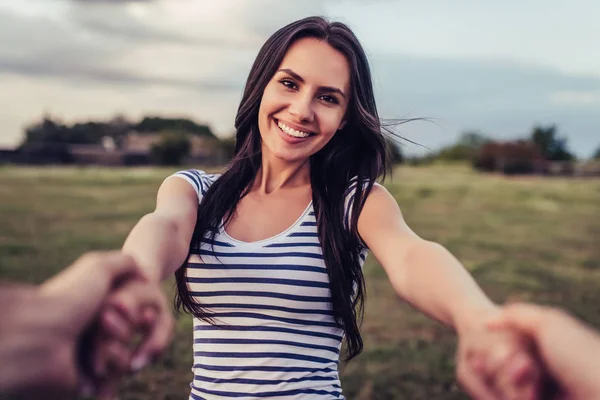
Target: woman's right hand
column 568, row 349
column 138, row 307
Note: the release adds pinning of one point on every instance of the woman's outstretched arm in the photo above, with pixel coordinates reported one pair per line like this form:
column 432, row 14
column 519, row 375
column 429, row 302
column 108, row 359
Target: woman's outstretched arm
column 431, row 279
column 422, row 272
column 160, row 241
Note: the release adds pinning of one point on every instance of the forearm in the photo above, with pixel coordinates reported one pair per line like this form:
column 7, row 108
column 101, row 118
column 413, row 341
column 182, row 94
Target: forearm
column 26, row 348
column 157, row 244
column 437, row 284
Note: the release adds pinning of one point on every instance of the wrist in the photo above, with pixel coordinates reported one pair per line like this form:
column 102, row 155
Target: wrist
column 475, row 318
column 147, row 270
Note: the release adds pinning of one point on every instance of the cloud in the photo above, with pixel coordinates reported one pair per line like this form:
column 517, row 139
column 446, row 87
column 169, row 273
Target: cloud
column 110, row 21
column 111, row 1
column 146, row 24
column 575, row 98
column 194, row 56
column 45, row 40
column 470, row 85
column 89, row 74
column 42, row 47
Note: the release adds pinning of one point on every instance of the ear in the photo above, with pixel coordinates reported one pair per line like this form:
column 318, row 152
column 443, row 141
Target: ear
column 342, row 125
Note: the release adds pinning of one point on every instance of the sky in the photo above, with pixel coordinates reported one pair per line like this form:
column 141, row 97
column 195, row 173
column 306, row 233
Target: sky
column 495, row 67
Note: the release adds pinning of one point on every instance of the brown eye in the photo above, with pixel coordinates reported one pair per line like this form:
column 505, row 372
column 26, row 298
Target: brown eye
column 288, row 83
column 329, row 99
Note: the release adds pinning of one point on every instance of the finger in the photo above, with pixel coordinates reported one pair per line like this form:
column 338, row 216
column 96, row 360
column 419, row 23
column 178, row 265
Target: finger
column 100, row 269
column 498, row 356
column 473, row 383
column 118, row 358
column 518, row 378
column 89, row 280
column 116, row 326
column 521, row 370
column 99, row 368
column 134, row 297
column 510, row 349
column 149, row 318
column 119, row 266
column 158, row 339
column 526, row 318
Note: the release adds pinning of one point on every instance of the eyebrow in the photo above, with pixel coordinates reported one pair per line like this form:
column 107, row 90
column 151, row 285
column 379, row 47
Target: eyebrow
column 323, row 88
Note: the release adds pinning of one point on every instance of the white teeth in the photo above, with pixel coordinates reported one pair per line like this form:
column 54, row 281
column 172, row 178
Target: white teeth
column 291, row 131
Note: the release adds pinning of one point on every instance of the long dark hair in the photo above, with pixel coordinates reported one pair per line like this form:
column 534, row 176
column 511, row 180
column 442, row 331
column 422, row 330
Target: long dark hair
column 356, row 151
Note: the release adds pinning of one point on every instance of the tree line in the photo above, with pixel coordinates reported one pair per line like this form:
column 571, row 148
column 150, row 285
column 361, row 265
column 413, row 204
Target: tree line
column 543, row 143
column 173, row 146
column 532, row 153
column 49, row 130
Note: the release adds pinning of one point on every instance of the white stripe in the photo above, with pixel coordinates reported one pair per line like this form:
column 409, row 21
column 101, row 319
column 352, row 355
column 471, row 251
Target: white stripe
column 272, row 307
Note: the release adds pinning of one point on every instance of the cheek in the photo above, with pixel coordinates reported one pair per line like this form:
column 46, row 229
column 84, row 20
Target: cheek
column 269, row 101
column 329, row 123
column 265, row 109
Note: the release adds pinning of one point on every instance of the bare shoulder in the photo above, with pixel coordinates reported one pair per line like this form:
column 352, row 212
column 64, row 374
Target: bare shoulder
column 379, row 201
column 381, row 218
column 176, row 195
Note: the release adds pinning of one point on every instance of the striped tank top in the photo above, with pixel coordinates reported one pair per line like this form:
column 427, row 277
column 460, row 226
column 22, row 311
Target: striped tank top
column 275, row 335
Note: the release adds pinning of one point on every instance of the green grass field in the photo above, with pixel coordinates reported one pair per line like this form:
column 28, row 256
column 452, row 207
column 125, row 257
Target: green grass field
column 527, row 238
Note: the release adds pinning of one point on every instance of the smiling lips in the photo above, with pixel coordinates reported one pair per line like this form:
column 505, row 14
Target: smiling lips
column 292, row 132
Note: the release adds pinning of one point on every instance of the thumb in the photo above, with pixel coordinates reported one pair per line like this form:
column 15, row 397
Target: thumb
column 89, row 280
column 526, row 318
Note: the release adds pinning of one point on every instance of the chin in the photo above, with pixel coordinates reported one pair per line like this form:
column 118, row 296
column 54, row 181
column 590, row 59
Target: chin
column 290, row 157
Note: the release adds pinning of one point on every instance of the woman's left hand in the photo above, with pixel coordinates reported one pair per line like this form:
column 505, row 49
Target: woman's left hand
column 498, row 365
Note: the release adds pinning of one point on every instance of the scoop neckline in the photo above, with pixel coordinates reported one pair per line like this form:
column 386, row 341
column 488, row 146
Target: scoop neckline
column 223, row 232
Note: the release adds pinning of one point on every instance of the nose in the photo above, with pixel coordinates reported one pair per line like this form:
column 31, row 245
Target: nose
column 301, row 108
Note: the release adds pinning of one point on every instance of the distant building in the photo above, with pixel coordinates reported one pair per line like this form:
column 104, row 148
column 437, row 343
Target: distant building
column 133, row 148
column 204, row 150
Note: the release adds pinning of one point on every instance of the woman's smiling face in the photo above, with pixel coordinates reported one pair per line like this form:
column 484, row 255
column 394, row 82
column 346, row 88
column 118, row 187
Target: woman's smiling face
column 305, row 102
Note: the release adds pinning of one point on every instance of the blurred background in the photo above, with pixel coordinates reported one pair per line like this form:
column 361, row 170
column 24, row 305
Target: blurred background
column 101, row 100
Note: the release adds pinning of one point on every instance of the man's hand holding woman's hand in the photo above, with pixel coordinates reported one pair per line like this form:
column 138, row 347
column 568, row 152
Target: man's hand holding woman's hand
column 498, row 364
column 568, row 349
column 80, row 326
column 134, row 329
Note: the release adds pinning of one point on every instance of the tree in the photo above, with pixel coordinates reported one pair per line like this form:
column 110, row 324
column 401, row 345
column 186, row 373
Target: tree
column 228, row 147
column 465, row 149
column 553, row 148
column 596, row 155
column 51, row 132
column 517, row 157
column 46, row 131
column 158, row 124
column 172, row 148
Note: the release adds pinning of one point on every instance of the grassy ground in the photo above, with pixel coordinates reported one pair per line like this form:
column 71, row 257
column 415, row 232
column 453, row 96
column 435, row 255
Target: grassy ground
column 522, row 238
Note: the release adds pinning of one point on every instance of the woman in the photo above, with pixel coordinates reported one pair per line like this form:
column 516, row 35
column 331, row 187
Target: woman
column 274, row 276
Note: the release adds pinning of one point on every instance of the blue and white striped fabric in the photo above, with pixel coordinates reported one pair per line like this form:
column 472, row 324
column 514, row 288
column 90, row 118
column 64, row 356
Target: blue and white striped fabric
column 275, row 335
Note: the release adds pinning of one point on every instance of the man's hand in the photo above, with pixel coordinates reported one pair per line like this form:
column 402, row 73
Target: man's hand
column 498, row 364
column 139, row 307
column 41, row 326
column 569, row 350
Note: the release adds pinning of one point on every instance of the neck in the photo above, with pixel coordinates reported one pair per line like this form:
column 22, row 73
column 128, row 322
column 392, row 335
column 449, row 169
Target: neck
column 275, row 174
